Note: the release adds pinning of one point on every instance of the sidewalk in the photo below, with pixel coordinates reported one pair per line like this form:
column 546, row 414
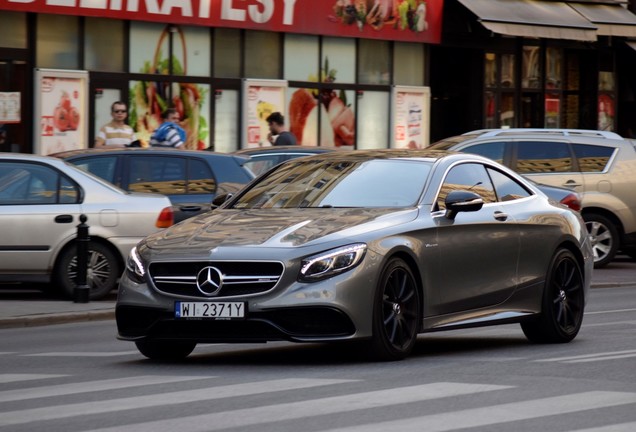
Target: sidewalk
column 20, row 309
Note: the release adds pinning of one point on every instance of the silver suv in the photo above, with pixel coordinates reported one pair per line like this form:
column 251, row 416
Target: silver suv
column 600, row 166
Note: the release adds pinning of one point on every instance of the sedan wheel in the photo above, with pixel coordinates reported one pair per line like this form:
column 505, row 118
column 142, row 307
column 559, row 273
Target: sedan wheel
column 102, row 271
column 563, row 303
column 396, row 312
column 165, row 350
column 604, row 238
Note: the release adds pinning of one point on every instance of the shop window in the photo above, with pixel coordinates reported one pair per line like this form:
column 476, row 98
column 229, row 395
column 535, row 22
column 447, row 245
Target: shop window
column 507, row 68
column 554, row 65
column 227, row 53
column 531, row 76
column 149, row 48
column 373, row 113
column 191, row 47
column 499, row 98
column 337, row 128
column 507, row 111
column 226, row 132
column 490, row 70
column 13, row 30
column 301, row 58
column 373, row 62
column 262, row 54
column 552, row 110
column 338, row 60
column 104, row 45
column 58, row 41
column 304, row 106
column 408, row 64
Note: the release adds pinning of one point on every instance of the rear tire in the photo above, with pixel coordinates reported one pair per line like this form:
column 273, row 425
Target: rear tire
column 605, row 239
column 396, row 312
column 165, row 350
column 562, row 305
column 102, row 273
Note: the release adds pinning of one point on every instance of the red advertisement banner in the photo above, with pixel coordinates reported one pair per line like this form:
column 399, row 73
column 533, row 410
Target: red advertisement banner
column 400, row 20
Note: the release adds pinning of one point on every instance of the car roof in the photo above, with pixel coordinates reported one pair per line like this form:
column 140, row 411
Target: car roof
column 285, row 149
column 427, row 155
column 538, row 131
column 154, row 150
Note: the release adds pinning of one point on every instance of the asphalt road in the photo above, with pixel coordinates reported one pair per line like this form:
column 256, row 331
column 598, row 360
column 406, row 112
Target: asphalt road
column 78, row 377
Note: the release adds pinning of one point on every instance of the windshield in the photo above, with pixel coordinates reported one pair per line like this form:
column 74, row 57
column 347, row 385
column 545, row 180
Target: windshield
column 368, row 183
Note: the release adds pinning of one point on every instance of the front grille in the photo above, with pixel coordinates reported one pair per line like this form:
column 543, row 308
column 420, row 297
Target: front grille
column 239, row 277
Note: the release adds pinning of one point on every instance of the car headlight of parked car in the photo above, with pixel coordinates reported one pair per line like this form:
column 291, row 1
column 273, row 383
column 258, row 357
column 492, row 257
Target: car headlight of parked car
column 331, row 263
column 135, row 267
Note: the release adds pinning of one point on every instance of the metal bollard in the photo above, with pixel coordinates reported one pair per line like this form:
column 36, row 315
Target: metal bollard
column 82, row 290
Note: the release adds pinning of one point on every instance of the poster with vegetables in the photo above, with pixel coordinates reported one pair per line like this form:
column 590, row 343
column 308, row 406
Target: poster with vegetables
column 148, row 99
column 260, row 99
column 410, row 117
column 61, row 106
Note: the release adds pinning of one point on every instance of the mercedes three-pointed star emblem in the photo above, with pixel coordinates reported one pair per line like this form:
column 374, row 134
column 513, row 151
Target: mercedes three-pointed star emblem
column 209, row 281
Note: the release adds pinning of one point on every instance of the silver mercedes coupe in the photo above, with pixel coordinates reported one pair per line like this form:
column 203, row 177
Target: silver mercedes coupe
column 367, row 246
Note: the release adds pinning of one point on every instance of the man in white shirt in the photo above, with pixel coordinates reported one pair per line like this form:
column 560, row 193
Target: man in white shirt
column 116, row 133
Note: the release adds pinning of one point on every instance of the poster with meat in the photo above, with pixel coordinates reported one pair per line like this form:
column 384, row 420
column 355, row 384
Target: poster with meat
column 260, row 99
column 61, row 111
column 410, row 117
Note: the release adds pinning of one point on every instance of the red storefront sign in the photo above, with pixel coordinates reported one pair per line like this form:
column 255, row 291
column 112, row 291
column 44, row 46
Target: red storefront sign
column 402, row 20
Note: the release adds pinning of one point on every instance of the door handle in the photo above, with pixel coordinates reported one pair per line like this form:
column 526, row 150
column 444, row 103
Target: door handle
column 571, row 184
column 501, row 216
column 63, row 219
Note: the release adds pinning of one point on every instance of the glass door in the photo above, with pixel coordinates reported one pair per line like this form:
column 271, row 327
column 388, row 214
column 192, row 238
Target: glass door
column 13, row 108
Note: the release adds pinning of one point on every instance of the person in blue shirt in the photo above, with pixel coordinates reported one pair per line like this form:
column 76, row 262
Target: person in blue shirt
column 169, row 133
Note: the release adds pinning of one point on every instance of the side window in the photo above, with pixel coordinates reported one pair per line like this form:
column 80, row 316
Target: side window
column 592, row 158
column 471, row 177
column 103, row 167
column 200, row 178
column 69, row 192
column 157, row 174
column 506, row 187
column 493, row 150
column 25, row 183
column 543, row 157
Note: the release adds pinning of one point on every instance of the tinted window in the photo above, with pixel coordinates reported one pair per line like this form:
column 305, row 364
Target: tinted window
column 542, row 157
column 506, row 187
column 592, row 158
column 494, row 150
column 471, row 177
column 376, row 183
column 157, row 174
column 200, row 178
column 103, row 167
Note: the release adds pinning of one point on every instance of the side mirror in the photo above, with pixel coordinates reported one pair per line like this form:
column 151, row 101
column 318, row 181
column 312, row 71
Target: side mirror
column 462, row 201
column 220, row 199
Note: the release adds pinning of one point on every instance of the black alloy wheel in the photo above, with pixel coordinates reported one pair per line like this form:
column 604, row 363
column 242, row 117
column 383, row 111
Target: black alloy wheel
column 563, row 302
column 165, row 350
column 396, row 312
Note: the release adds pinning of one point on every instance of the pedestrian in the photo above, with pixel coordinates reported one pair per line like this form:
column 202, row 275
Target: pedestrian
column 169, row 133
column 278, row 135
column 116, row 133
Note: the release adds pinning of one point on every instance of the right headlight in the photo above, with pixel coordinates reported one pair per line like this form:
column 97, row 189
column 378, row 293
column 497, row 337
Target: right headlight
column 332, row 262
column 135, row 267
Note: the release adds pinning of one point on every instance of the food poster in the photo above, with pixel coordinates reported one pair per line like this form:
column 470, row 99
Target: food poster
column 9, row 107
column 61, row 110
column 261, row 98
column 148, row 99
column 411, row 111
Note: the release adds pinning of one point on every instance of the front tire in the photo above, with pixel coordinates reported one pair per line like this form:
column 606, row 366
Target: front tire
column 562, row 305
column 396, row 312
column 605, row 239
column 165, row 350
column 102, row 272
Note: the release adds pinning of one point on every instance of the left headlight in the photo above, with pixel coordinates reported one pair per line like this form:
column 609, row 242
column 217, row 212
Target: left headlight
column 135, row 266
column 331, row 263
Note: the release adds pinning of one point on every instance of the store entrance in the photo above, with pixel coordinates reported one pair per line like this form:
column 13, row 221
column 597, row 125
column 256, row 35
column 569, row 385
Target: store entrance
column 103, row 92
column 14, row 131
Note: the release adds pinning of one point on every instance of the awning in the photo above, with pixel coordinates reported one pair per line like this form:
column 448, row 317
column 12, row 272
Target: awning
column 534, row 19
column 610, row 19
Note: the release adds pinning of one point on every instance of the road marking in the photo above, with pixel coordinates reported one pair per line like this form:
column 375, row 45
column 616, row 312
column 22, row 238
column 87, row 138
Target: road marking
column 91, row 386
column 613, row 323
column 497, row 414
column 155, row 400
column 309, row 408
column 82, row 354
column 610, row 311
column 623, row 427
column 8, row 378
column 611, row 355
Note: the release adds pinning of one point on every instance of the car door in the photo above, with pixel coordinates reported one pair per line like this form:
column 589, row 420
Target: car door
column 478, row 250
column 39, row 210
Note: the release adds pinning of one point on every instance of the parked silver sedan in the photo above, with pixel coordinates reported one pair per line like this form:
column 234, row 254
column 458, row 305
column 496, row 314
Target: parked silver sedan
column 41, row 200
column 375, row 246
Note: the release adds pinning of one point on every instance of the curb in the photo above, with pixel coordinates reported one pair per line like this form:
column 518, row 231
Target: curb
column 58, row 318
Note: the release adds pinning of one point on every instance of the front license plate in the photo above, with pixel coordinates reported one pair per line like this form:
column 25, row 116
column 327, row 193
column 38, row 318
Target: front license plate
column 214, row 310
